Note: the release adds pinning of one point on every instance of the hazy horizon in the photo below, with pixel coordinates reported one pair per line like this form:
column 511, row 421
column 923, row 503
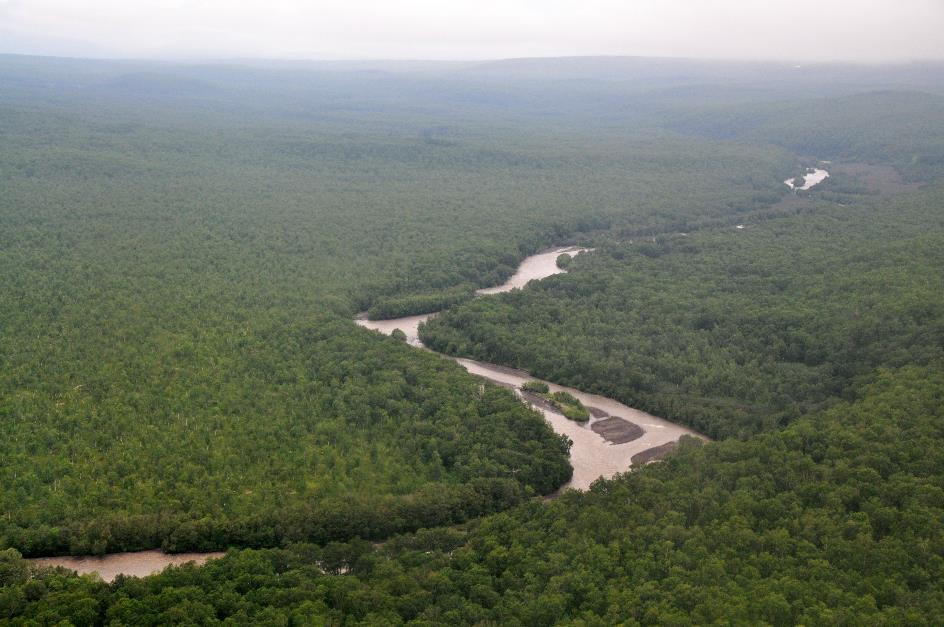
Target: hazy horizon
column 368, row 30
column 237, row 59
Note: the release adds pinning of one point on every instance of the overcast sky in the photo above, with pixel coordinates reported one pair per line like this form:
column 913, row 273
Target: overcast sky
column 864, row 30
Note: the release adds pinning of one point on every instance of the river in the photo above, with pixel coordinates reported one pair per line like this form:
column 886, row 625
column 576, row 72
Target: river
column 592, row 455
column 537, row 266
column 813, row 176
column 135, row 563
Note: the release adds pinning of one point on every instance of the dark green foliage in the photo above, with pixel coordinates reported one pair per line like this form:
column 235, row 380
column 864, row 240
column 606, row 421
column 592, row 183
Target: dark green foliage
column 289, row 476
column 177, row 363
column 835, row 520
column 414, row 304
column 178, row 269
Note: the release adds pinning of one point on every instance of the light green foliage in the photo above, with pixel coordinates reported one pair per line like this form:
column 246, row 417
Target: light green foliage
column 537, row 387
column 570, row 406
column 563, row 402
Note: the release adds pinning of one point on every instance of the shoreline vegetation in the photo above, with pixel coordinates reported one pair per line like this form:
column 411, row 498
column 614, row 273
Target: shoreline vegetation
column 862, row 473
column 422, row 303
column 561, row 401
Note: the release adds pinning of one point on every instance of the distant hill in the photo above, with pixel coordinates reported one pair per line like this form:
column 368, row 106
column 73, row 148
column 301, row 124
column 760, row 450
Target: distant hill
column 160, row 84
column 665, row 72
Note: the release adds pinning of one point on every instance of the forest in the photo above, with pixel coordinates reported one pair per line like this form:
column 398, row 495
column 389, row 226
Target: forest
column 732, row 331
column 179, row 369
column 837, row 519
column 183, row 249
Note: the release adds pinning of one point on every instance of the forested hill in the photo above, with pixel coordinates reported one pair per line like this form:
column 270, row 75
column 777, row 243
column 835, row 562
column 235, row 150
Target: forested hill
column 183, row 246
column 889, row 127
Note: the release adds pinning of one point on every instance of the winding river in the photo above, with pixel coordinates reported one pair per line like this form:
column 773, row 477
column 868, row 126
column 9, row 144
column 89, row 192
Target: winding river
column 615, row 438
column 592, row 455
column 532, row 268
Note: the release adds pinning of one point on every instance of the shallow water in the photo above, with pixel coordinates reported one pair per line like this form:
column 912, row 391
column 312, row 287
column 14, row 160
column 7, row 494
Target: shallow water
column 535, row 267
column 591, row 456
column 409, row 325
column 813, row 177
column 137, row 564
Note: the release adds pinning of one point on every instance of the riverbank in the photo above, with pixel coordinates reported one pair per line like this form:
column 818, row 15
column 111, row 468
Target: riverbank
column 592, row 456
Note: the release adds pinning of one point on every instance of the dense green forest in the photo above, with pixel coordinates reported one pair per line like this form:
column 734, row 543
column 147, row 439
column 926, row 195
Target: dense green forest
column 837, row 519
column 182, row 249
column 177, row 365
column 733, row 331
column 413, row 304
column 898, row 132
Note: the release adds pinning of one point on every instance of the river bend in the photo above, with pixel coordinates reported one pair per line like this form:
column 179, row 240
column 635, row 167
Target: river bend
column 591, row 455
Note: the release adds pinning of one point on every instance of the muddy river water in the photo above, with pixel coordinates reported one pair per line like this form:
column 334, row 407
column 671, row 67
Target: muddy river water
column 591, row 455
column 136, row 563
column 813, row 177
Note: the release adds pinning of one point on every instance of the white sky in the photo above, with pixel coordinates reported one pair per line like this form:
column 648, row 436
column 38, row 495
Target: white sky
column 862, row 30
